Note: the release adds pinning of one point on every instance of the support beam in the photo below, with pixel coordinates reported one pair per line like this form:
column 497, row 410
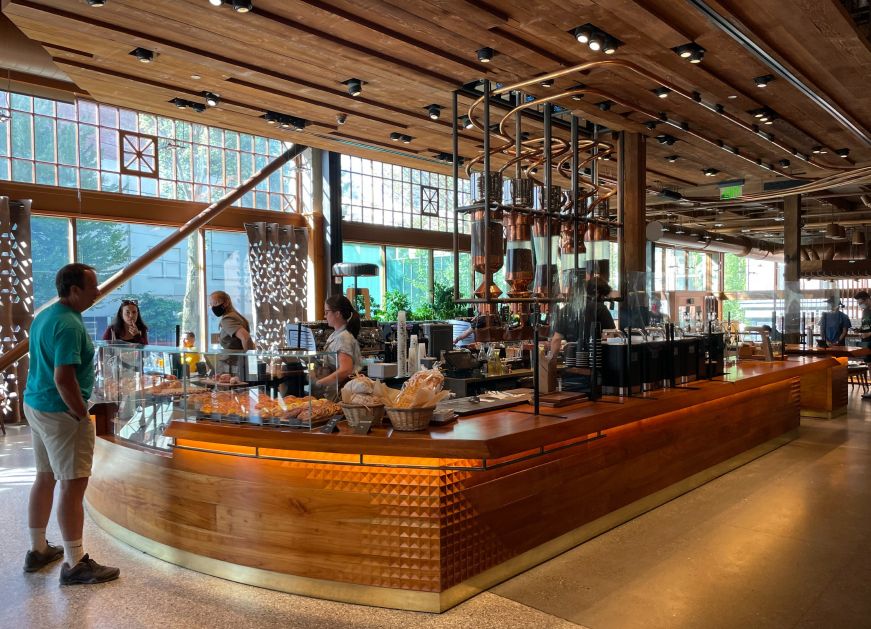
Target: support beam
column 631, row 161
column 792, row 272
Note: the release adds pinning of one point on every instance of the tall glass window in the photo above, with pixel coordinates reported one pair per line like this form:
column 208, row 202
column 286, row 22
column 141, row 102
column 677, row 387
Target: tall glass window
column 227, row 270
column 100, row 147
column 371, row 254
column 159, row 290
column 50, row 250
column 384, row 194
column 408, row 273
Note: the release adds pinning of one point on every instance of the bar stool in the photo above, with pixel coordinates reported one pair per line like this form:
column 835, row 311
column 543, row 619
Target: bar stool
column 355, row 270
column 858, row 374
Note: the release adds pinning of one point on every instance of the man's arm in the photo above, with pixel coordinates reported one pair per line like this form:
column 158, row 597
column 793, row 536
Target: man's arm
column 68, row 387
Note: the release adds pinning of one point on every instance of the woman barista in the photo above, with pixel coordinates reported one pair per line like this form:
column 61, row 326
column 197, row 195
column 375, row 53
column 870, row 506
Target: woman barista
column 345, row 322
column 234, row 329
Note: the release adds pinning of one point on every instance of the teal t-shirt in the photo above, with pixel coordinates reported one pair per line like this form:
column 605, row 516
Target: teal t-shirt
column 58, row 337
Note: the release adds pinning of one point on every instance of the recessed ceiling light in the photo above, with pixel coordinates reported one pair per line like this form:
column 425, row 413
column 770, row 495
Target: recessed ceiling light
column 215, row 3
column 710, row 172
column 732, row 96
column 242, row 6
column 434, row 111
column 547, row 83
column 662, row 92
column 842, row 153
column 762, row 81
column 672, row 158
column 97, row 3
column 355, row 86
column 143, row 54
column 485, row 55
column 196, row 77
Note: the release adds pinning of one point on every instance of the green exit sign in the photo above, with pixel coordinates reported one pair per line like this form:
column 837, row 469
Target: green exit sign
column 731, row 192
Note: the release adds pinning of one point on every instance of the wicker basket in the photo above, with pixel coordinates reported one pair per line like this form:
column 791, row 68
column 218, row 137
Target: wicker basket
column 356, row 413
column 410, row 418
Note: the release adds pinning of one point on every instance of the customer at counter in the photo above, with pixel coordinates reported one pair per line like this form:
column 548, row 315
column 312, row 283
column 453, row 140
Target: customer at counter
column 345, row 321
column 127, row 326
column 834, row 324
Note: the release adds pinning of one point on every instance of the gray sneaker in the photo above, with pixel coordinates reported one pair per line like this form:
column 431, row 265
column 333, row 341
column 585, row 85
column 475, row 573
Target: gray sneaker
column 87, row 571
column 35, row 560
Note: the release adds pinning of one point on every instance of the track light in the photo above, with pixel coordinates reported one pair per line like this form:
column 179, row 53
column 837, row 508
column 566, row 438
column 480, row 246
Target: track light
column 269, row 117
column 719, row 237
column 355, row 86
column 143, row 54
column 97, row 3
column 547, row 83
column 406, row 139
column 216, row 3
column 596, row 42
column 672, row 158
column 662, row 92
column 582, row 34
column 784, row 163
column 182, row 103
column 762, row 81
column 710, row 172
column 396, row 137
column 341, row 118
column 691, row 52
column 434, row 111
column 179, row 102
column 679, row 230
column 611, row 46
column 485, row 55
column 197, row 107
column 650, row 124
column 605, row 105
column 242, row 6
column 212, row 99
column 842, row 153
column 666, row 139
column 466, row 122
column 819, row 150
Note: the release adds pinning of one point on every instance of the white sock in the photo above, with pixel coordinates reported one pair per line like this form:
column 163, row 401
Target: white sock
column 73, row 552
column 37, row 540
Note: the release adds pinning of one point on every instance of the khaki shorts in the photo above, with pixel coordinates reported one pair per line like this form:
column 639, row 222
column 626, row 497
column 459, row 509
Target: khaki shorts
column 62, row 444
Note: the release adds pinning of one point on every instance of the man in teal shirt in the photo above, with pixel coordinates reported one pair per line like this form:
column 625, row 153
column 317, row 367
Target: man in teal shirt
column 59, row 383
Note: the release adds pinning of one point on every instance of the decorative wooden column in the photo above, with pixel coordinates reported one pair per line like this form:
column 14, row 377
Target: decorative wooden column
column 631, row 185
column 792, row 272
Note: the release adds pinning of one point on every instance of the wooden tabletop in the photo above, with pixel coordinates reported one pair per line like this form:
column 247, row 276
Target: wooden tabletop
column 833, row 350
column 509, row 431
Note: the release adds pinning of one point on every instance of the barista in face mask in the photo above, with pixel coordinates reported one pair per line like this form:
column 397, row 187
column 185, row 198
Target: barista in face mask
column 235, row 331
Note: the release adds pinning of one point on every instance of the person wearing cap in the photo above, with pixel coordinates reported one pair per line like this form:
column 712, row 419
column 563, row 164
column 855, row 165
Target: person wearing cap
column 834, row 324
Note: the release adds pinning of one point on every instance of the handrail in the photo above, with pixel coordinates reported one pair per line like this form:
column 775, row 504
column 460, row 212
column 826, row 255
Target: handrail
column 201, row 219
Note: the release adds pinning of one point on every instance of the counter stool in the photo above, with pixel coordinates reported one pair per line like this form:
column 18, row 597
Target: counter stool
column 858, row 374
column 355, row 270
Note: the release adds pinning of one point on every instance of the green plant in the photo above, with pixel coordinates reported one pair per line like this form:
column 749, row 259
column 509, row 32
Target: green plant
column 443, row 305
column 394, row 301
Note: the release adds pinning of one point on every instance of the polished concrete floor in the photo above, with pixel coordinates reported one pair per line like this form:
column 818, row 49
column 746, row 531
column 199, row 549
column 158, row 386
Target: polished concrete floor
column 784, row 541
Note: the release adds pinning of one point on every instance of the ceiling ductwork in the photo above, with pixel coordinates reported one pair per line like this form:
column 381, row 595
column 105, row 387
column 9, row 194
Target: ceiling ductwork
column 700, row 240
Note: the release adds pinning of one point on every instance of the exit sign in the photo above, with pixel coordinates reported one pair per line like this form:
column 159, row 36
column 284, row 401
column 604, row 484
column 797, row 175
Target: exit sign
column 731, row 192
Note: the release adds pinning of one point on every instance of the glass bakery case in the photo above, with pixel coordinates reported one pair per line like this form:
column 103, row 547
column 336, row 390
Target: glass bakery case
column 138, row 390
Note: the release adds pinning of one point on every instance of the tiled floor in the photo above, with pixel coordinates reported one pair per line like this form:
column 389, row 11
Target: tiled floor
column 784, row 541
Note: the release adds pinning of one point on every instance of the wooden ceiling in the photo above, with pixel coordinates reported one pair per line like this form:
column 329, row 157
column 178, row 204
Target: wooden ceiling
column 292, row 56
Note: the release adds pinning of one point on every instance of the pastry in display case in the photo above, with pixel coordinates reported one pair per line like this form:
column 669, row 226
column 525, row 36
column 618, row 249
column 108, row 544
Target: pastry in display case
column 140, row 389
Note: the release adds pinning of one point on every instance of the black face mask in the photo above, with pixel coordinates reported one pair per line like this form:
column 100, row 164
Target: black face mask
column 219, row 310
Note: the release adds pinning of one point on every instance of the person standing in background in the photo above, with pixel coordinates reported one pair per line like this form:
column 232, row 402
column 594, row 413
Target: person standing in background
column 834, row 324
column 59, row 383
column 128, row 325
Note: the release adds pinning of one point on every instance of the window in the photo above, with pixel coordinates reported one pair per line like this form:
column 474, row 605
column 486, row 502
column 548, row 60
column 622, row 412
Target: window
column 696, row 270
column 109, row 247
column 50, row 250
column 371, row 254
column 227, row 270
column 100, row 147
column 443, row 271
column 397, row 196
column 408, row 273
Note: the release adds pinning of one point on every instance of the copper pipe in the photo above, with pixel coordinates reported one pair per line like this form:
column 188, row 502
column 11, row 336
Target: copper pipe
column 167, row 243
column 620, row 63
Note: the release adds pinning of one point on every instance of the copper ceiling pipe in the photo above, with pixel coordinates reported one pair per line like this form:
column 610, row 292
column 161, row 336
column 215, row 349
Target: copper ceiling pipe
column 620, row 63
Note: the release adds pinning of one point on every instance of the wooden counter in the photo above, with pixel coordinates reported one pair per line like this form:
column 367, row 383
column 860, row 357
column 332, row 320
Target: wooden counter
column 425, row 520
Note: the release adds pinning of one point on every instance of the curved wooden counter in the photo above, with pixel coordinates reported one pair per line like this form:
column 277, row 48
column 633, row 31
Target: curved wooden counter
column 425, row 520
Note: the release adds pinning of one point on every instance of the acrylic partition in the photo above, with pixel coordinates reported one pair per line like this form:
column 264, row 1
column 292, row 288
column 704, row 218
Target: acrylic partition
column 139, row 390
